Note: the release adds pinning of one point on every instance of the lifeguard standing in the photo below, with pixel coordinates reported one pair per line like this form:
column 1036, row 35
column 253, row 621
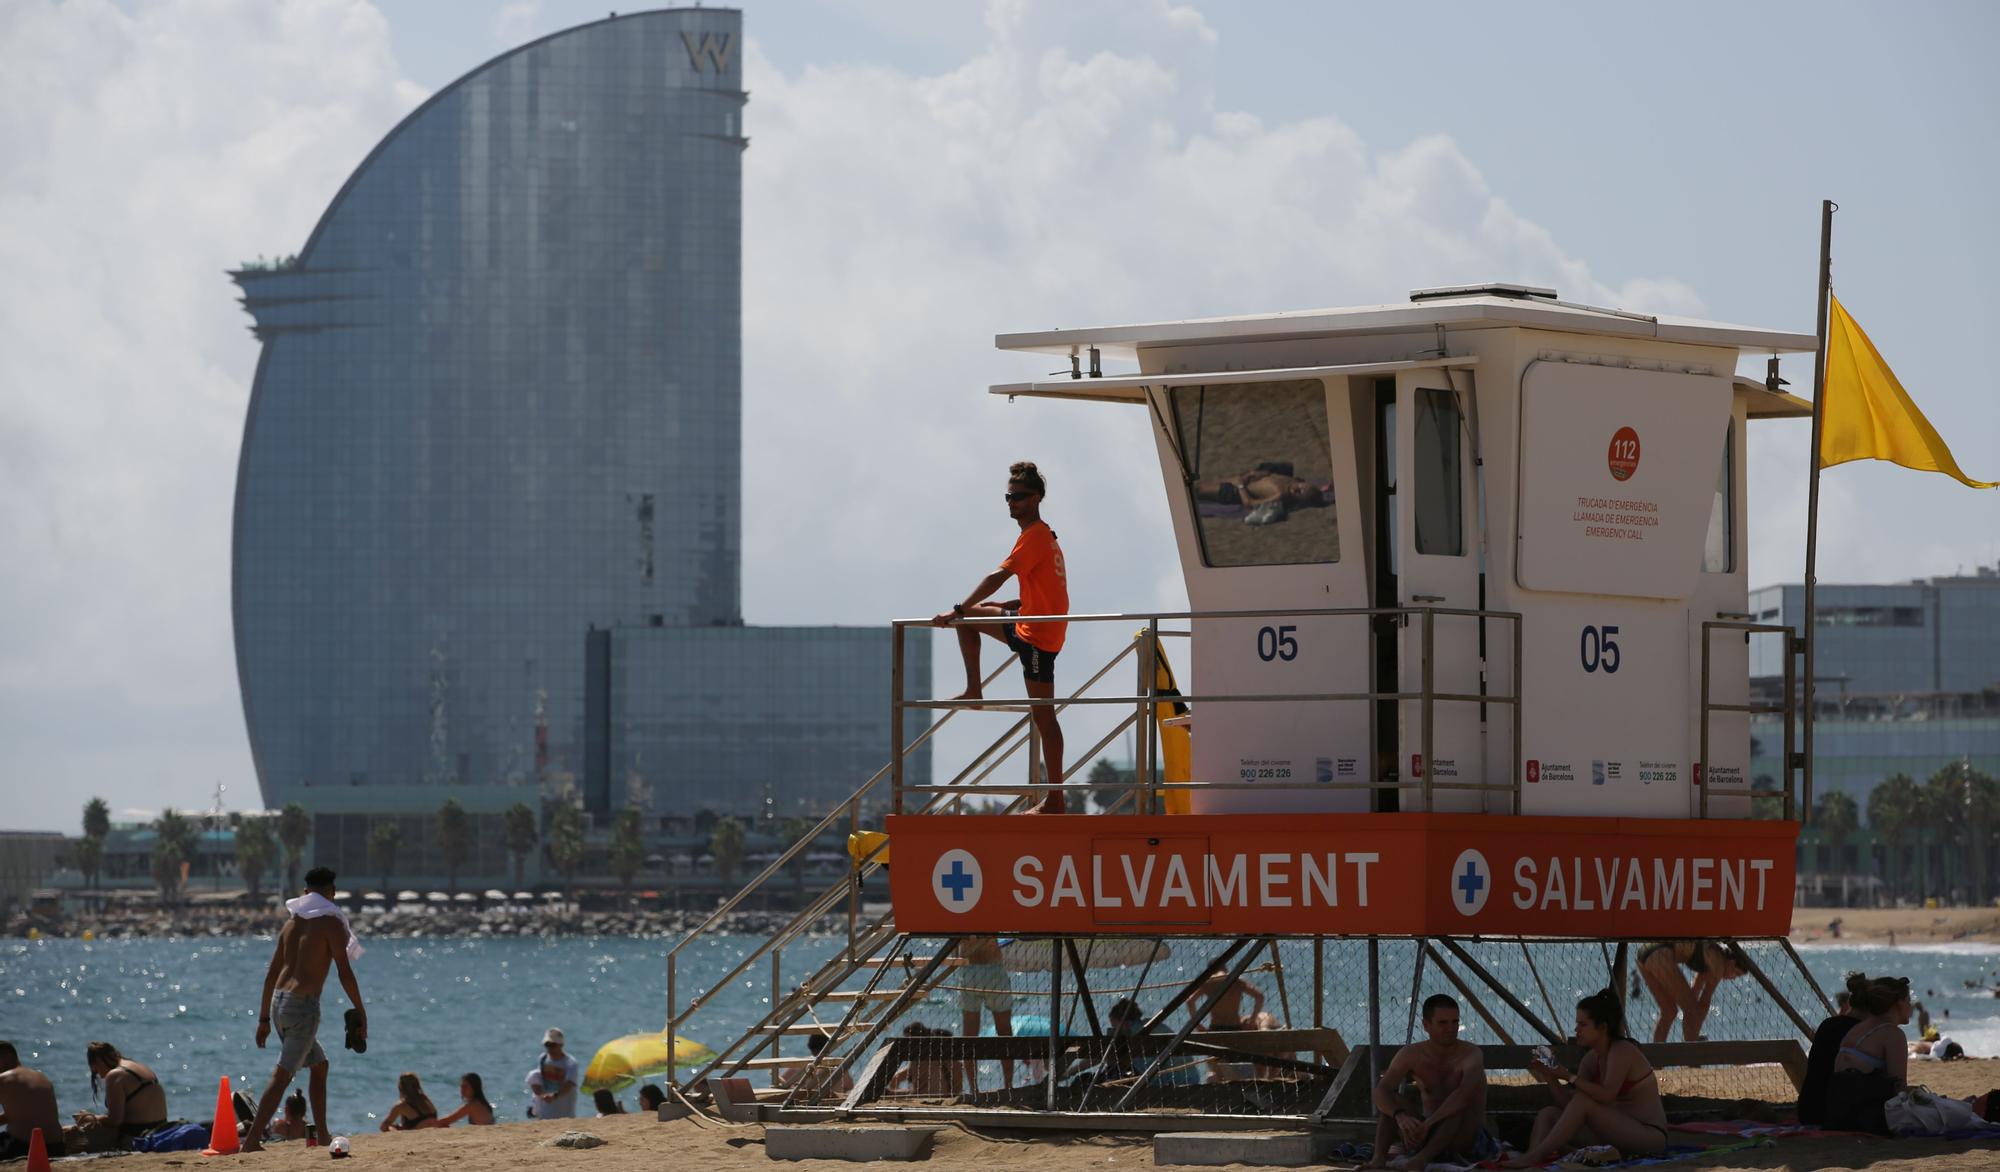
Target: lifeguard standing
column 1037, row 561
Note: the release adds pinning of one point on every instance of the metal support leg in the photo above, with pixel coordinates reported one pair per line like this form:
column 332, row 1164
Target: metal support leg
column 1374, row 1010
column 1465, row 991
column 1500, row 990
column 1055, row 1022
column 1319, row 982
column 1416, row 991
column 1618, row 970
column 1188, row 990
column 1807, row 974
column 1194, row 1019
column 1751, row 966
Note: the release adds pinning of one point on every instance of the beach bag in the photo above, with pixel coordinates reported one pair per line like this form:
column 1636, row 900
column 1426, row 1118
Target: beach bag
column 1916, row 1111
column 175, row 1137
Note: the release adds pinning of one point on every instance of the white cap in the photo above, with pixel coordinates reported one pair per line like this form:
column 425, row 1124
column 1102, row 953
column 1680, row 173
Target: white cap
column 553, row 1038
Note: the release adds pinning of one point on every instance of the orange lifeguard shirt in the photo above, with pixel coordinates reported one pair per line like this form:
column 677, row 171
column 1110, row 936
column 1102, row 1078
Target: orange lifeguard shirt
column 1037, row 562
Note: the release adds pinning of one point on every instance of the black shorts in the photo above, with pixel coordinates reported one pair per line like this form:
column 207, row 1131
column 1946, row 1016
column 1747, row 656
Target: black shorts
column 1037, row 666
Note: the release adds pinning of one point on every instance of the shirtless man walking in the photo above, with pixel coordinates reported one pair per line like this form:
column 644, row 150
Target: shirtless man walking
column 1450, row 1108
column 315, row 937
column 27, row 1105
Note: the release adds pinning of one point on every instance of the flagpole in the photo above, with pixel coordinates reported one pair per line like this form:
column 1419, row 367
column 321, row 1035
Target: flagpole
column 1826, row 210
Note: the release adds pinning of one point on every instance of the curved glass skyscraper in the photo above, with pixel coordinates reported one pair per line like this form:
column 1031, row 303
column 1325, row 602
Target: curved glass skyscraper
column 498, row 405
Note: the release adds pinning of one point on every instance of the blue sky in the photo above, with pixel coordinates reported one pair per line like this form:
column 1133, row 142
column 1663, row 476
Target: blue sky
column 921, row 176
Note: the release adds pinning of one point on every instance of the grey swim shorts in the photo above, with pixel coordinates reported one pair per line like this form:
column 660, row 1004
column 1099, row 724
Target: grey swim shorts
column 296, row 1019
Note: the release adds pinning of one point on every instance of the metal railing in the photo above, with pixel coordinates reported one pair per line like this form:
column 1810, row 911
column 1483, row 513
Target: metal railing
column 1787, row 706
column 1147, row 695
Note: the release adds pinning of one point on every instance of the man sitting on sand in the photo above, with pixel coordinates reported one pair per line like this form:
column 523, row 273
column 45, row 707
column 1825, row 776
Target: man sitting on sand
column 27, row 1105
column 1448, row 1112
column 315, row 938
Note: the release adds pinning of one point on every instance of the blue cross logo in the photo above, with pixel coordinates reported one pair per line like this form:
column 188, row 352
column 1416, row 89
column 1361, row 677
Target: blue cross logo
column 1468, row 875
column 1471, row 882
column 957, row 881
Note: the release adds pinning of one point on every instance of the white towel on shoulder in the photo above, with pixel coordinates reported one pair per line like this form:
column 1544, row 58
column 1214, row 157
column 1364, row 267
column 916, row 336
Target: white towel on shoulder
column 312, row 905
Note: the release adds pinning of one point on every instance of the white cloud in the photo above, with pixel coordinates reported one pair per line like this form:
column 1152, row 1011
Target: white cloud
column 1074, row 169
column 148, row 151
column 516, row 22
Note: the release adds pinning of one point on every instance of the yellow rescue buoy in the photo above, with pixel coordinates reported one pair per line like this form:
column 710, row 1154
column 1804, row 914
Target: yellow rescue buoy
column 862, row 843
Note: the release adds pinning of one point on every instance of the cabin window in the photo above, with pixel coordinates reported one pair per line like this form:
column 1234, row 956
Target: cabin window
column 1259, row 472
column 1437, row 475
column 1718, row 552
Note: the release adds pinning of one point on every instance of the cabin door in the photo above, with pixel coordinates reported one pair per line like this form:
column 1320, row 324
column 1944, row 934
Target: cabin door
column 1437, row 567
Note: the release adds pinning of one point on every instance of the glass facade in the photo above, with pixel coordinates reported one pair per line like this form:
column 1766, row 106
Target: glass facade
column 1909, row 679
column 721, row 719
column 498, row 403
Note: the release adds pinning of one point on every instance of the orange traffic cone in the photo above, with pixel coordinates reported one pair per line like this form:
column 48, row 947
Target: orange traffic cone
column 38, row 1152
column 222, row 1139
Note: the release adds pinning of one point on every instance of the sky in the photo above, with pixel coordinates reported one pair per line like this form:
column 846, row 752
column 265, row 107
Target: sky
column 920, row 177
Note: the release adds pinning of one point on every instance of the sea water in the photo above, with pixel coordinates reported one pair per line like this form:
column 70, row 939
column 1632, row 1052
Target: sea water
column 441, row 1007
column 438, row 1007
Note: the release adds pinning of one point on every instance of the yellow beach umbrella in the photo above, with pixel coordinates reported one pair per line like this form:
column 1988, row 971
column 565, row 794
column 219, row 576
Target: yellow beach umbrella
column 627, row 1060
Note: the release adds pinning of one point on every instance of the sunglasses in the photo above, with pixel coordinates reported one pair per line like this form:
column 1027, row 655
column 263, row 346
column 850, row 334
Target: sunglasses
column 1018, row 496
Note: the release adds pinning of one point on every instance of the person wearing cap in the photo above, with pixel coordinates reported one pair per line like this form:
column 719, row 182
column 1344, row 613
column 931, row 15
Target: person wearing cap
column 552, row 1084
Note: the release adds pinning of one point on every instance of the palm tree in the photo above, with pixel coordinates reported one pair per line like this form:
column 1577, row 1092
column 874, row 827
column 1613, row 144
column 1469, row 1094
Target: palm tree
column 792, row 831
column 628, row 846
column 253, row 852
column 90, row 852
column 518, row 832
column 1982, row 815
column 383, row 840
column 454, row 840
column 294, row 830
column 1893, row 808
column 726, row 844
column 1944, row 808
column 566, row 844
column 96, row 819
column 88, row 856
column 1837, row 818
column 177, row 839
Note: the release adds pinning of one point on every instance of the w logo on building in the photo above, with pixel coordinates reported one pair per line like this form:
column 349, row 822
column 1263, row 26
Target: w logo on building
column 712, row 48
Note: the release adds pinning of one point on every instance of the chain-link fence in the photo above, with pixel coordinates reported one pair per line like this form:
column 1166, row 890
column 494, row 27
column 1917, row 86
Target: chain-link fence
column 1265, row 1027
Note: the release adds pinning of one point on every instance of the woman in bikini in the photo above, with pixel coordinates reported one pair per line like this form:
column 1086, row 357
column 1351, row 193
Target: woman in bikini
column 1709, row 963
column 1874, row 1056
column 1612, row 1098
column 134, row 1101
column 474, row 1108
column 413, row 1110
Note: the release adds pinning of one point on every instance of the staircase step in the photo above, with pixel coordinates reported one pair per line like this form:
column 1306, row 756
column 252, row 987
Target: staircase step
column 770, row 1063
column 908, row 962
column 858, row 994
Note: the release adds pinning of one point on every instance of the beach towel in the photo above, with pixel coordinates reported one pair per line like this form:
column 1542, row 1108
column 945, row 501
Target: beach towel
column 175, row 1137
column 312, row 905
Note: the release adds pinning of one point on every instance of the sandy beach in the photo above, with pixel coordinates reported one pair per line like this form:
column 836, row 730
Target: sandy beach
column 1908, row 925
column 635, row 1143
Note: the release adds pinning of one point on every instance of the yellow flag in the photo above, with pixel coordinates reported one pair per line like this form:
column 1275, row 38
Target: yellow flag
column 1868, row 415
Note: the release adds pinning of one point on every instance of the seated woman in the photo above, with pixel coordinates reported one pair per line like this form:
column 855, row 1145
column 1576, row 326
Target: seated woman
column 413, row 1110
column 292, row 1123
column 1613, row 1098
column 473, row 1107
column 652, row 1098
column 1711, row 964
column 607, row 1103
column 1874, row 1056
column 134, row 1101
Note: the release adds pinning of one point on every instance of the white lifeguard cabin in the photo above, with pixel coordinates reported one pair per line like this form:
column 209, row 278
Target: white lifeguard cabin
column 1477, row 449
column 1469, row 702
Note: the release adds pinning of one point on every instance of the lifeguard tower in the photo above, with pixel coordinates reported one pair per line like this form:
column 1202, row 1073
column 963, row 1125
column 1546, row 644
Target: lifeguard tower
column 1463, row 705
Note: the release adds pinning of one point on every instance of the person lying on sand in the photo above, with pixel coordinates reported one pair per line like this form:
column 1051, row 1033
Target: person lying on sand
column 1269, row 487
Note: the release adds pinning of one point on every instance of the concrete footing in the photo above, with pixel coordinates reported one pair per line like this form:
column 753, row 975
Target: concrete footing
column 860, row 1144
column 1295, row 1149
